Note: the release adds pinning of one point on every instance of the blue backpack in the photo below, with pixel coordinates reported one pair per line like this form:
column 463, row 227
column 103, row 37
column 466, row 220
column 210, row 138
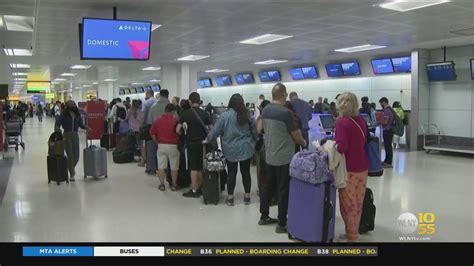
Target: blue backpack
column 373, row 153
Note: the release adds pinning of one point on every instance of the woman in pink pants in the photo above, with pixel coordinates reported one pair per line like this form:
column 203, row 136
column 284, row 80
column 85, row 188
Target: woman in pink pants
column 351, row 136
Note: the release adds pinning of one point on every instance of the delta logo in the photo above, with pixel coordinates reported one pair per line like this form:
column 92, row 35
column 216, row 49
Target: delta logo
column 132, row 28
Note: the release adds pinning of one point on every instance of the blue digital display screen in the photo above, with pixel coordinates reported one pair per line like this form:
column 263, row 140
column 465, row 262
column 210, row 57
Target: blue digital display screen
column 310, row 72
column 267, row 76
column 224, row 80
column 244, row 78
column 296, row 73
column 140, row 90
column 156, row 88
column 205, row 83
column 350, row 68
column 382, row 66
column 441, row 71
column 402, row 64
column 115, row 39
column 334, row 70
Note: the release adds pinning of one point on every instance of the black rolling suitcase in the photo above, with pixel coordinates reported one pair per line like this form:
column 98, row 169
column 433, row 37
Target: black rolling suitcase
column 108, row 140
column 151, row 159
column 213, row 167
column 367, row 219
column 57, row 169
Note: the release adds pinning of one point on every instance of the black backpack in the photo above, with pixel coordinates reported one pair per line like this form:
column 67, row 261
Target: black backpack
column 367, row 219
column 121, row 113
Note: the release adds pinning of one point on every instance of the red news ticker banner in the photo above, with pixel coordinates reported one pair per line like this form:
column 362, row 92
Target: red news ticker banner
column 95, row 119
column 1, row 126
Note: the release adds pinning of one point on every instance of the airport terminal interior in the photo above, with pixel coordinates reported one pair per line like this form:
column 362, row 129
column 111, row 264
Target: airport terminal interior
column 417, row 53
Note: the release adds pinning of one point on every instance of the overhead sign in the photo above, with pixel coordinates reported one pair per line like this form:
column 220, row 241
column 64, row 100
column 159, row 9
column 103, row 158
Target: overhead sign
column 50, row 95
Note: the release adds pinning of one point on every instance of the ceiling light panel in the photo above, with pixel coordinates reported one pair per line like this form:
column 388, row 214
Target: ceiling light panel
column 110, row 80
column 216, row 70
column 270, row 62
column 20, row 66
column 137, row 83
column 19, row 74
column 19, row 23
column 68, row 74
column 79, row 67
column 155, row 80
column 408, row 5
column 359, row 48
column 193, row 57
column 17, row 52
column 266, row 38
column 59, row 79
column 151, row 68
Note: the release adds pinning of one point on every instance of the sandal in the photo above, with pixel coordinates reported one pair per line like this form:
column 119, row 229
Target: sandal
column 174, row 188
column 161, row 187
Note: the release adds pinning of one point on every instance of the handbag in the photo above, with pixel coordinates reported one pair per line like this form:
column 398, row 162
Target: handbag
column 373, row 153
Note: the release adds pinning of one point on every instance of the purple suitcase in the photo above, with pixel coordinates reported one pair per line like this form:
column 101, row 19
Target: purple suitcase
column 311, row 211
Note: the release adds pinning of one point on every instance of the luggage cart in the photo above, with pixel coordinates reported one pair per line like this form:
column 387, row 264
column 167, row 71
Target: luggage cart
column 13, row 134
column 432, row 140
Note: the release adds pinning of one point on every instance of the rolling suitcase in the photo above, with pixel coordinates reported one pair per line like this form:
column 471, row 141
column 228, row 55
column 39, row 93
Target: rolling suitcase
column 367, row 219
column 108, row 140
column 95, row 162
column 151, row 159
column 311, row 211
column 213, row 164
column 57, row 169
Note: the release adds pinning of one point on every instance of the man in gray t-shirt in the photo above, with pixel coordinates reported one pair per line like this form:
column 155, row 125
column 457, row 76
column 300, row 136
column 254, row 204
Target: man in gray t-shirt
column 280, row 135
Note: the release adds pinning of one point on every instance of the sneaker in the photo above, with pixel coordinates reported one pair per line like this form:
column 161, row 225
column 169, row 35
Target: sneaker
column 247, row 201
column 268, row 220
column 386, row 165
column 229, row 202
column 72, row 179
column 191, row 194
column 161, row 187
column 281, row 229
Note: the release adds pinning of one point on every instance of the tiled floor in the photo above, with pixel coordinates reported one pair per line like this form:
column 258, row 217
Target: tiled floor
column 128, row 206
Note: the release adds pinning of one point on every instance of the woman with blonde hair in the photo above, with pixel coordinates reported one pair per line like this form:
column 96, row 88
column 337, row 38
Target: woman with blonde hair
column 351, row 136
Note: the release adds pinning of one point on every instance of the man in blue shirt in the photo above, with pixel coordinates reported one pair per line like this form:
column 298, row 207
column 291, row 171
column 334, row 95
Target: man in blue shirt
column 149, row 101
column 303, row 111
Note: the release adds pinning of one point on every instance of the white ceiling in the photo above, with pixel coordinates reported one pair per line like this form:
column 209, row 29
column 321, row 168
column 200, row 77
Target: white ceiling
column 212, row 27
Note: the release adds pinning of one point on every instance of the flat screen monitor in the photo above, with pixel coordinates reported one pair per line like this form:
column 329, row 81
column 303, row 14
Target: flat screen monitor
column 296, row 73
column 244, row 78
column 443, row 71
column 3, row 91
column 134, row 90
column 205, row 82
column 472, row 69
column 37, row 86
column 350, row 68
column 268, row 76
column 327, row 121
column 310, row 72
column 121, row 92
column 140, row 90
column 402, row 64
column 224, row 80
column 108, row 39
column 334, row 70
column 382, row 66
column 156, row 87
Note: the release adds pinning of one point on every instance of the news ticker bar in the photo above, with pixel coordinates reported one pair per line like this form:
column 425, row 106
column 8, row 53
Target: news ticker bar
column 160, row 251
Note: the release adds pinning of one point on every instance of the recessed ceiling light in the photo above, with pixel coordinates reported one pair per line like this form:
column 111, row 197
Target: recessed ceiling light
column 54, row 82
column 20, row 82
column 155, row 26
column 151, row 68
column 86, row 85
column 216, row 70
column 19, row 23
column 68, row 74
column 78, row 88
column 137, row 83
column 59, row 79
column 408, row 5
column 19, row 79
column 95, row 83
column 266, row 38
column 193, row 57
column 110, row 80
column 17, row 52
column 359, row 48
column 80, row 67
column 270, row 62
column 20, row 66
column 155, row 80
column 19, row 74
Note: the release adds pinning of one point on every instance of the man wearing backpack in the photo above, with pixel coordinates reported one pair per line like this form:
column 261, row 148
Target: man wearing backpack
column 388, row 132
column 117, row 114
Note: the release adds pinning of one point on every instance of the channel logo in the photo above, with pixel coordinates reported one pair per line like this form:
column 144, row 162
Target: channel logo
column 422, row 226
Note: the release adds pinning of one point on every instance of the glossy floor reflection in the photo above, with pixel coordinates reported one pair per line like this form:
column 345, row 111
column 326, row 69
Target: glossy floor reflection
column 128, row 206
